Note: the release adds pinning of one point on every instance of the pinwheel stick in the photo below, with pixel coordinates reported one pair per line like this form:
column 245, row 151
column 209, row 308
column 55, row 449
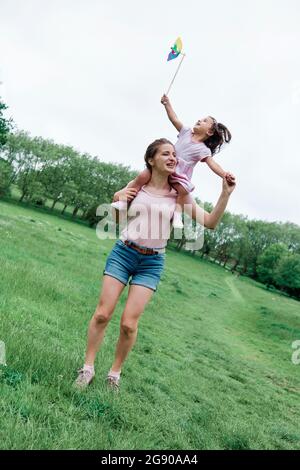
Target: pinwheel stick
column 183, row 56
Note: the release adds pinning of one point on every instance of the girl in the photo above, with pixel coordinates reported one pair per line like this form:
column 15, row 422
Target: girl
column 141, row 261
column 193, row 145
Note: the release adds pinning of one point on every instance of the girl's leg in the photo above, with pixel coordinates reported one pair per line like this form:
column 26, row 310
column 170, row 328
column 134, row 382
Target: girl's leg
column 138, row 297
column 177, row 218
column 111, row 290
column 190, row 206
column 141, row 179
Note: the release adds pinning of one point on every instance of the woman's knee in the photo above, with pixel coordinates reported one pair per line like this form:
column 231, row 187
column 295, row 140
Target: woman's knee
column 103, row 314
column 128, row 329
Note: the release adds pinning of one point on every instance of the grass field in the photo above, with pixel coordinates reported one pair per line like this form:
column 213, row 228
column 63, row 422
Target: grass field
column 211, row 368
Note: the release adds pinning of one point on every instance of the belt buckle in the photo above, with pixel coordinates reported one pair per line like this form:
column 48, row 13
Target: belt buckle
column 134, row 246
column 143, row 251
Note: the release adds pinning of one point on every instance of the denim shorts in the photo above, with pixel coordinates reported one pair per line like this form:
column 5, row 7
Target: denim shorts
column 145, row 270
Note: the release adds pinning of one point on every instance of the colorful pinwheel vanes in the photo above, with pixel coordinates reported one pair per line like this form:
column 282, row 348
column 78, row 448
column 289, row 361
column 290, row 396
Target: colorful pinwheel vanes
column 175, row 50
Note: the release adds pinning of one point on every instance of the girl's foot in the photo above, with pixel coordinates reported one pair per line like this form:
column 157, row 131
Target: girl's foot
column 120, row 205
column 177, row 220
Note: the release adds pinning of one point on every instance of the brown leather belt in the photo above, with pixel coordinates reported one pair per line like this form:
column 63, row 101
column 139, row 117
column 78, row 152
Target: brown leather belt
column 143, row 251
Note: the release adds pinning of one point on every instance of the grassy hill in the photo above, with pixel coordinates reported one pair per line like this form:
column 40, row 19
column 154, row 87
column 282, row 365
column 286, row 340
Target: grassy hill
column 211, row 368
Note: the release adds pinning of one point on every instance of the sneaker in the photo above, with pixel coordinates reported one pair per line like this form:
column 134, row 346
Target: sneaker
column 120, row 205
column 84, row 378
column 113, row 382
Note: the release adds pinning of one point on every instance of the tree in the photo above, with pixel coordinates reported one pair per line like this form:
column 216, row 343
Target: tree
column 36, row 193
column 240, row 247
column 69, row 195
column 27, row 183
column 5, row 124
column 53, row 179
column 287, row 274
column 260, row 235
column 55, row 173
column 268, row 262
column 6, row 172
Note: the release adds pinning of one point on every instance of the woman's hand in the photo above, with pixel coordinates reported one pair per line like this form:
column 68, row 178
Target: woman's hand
column 230, row 178
column 228, row 186
column 125, row 194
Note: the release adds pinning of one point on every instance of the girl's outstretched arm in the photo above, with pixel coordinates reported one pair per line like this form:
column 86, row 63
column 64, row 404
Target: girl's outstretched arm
column 216, row 168
column 171, row 113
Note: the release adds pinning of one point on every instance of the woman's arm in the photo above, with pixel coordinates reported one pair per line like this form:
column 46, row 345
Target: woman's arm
column 171, row 113
column 211, row 219
column 208, row 219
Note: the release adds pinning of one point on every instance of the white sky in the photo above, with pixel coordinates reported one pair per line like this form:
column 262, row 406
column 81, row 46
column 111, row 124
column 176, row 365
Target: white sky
column 90, row 73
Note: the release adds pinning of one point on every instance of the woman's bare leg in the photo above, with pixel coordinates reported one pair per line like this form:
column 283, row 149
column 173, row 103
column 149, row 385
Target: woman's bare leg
column 138, row 297
column 111, row 291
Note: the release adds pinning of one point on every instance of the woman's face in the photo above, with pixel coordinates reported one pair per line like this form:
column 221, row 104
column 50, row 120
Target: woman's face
column 165, row 160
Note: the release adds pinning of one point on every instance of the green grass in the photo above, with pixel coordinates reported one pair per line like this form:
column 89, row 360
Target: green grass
column 211, row 368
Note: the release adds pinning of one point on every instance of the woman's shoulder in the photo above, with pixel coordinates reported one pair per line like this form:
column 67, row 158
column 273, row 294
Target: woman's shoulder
column 158, row 193
column 173, row 192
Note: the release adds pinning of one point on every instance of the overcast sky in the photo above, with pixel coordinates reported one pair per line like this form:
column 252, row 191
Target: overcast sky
column 90, row 73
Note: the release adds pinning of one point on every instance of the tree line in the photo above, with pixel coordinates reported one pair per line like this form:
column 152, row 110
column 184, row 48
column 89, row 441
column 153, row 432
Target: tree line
column 268, row 252
column 43, row 170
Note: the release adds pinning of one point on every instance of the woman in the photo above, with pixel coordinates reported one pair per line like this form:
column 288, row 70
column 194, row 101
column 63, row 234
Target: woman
column 142, row 260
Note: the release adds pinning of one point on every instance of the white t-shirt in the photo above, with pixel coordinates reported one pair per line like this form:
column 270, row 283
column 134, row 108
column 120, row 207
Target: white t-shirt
column 149, row 217
column 189, row 153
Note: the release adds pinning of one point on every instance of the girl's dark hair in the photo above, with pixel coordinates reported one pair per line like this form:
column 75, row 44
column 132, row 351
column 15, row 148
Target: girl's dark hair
column 220, row 136
column 153, row 148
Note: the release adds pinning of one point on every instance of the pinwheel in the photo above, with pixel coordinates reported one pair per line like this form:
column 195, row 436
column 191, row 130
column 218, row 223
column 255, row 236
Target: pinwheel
column 175, row 52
